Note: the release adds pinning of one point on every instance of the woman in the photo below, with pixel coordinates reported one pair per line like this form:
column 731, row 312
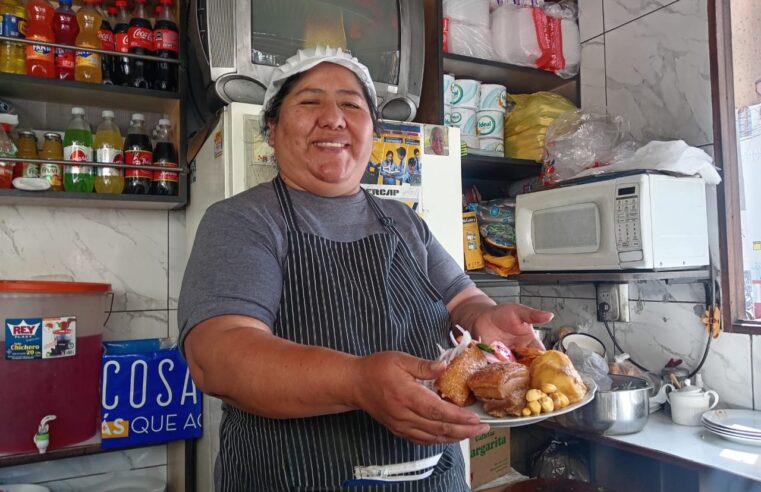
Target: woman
column 313, row 309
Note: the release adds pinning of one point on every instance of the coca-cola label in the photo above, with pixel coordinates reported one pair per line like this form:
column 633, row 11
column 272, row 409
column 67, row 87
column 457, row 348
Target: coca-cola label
column 141, row 37
column 106, row 39
column 78, row 153
column 64, row 59
column 165, row 175
column 121, row 42
column 138, row 158
column 166, row 39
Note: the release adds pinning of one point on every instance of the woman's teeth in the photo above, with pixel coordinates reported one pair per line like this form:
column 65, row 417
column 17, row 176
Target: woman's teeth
column 335, row 145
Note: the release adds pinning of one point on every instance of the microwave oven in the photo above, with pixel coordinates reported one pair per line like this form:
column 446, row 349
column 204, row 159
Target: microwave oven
column 642, row 222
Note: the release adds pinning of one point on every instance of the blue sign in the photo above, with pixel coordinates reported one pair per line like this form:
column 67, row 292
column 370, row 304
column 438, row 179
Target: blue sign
column 23, row 338
column 147, row 395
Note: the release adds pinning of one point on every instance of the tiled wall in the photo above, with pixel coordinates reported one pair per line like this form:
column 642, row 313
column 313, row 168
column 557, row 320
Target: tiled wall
column 142, row 254
column 647, row 60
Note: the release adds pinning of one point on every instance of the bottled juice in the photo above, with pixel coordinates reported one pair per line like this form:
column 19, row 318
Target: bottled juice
column 66, row 30
column 108, row 148
column 40, row 60
column 12, row 55
column 52, row 149
column 77, row 146
column 88, row 65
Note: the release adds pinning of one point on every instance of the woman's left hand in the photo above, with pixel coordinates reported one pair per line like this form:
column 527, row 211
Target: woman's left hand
column 512, row 324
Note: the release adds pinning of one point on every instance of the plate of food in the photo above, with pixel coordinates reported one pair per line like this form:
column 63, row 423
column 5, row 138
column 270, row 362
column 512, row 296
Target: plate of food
column 511, row 387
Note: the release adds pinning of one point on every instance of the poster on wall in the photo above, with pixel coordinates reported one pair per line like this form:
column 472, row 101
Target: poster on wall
column 395, row 168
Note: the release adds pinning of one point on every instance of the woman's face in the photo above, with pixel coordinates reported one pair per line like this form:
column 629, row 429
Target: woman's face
column 323, row 136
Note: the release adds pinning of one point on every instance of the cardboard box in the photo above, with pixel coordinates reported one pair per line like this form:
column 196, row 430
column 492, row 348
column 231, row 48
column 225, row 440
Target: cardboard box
column 489, row 456
column 471, row 242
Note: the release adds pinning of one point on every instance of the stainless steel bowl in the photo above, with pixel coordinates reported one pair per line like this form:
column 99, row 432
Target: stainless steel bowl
column 623, row 409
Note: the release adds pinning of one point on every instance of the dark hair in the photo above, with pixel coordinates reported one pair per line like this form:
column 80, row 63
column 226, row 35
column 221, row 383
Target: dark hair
column 272, row 111
column 401, row 151
column 390, row 152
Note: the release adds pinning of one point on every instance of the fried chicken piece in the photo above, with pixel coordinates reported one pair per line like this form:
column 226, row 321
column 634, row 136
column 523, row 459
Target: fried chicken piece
column 452, row 385
column 556, row 368
column 526, row 355
column 501, row 388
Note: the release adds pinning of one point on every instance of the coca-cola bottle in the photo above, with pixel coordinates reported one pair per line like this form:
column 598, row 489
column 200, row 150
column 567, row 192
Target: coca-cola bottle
column 166, row 40
column 106, row 37
column 140, row 43
column 165, row 155
column 121, row 69
column 138, row 152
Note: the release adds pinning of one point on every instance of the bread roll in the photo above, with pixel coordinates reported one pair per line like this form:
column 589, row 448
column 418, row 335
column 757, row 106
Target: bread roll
column 556, row 368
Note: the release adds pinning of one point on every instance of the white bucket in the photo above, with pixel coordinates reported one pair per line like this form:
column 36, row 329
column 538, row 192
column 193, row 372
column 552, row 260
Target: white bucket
column 490, row 124
column 465, row 120
column 466, row 93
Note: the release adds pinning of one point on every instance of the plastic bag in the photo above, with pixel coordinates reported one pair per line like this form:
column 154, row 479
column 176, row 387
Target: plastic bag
column 526, row 126
column 500, row 210
column 561, row 459
column 578, row 140
column 590, row 364
column 467, row 28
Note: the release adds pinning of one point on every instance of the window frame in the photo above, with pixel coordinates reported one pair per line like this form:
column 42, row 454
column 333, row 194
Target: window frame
column 725, row 150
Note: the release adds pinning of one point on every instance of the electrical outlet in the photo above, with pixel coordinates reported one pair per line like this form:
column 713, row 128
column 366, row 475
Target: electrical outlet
column 616, row 297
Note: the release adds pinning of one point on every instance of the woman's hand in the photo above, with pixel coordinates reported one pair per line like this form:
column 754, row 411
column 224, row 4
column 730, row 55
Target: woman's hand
column 387, row 388
column 512, row 324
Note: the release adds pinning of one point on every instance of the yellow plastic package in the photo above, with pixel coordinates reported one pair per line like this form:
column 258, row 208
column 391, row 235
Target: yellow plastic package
column 526, row 125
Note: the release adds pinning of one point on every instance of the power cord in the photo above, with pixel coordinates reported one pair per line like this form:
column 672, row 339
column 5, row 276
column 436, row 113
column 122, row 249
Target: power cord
column 603, row 308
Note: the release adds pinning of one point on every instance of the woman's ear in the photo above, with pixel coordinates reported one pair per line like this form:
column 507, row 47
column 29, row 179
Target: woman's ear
column 271, row 133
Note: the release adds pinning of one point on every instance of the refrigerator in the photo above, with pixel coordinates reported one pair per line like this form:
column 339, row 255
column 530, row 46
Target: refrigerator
column 235, row 157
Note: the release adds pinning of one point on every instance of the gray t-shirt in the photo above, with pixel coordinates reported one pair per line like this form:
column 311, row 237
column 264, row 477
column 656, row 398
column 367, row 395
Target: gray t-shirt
column 236, row 265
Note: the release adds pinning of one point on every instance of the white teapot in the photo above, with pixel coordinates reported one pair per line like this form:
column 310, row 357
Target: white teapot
column 689, row 403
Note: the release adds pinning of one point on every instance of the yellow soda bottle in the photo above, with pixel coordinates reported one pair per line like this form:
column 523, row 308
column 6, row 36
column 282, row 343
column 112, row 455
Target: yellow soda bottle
column 108, row 149
column 13, row 19
column 87, row 67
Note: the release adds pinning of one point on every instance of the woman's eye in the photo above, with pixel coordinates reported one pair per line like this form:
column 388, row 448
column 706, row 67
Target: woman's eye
column 351, row 105
column 310, row 101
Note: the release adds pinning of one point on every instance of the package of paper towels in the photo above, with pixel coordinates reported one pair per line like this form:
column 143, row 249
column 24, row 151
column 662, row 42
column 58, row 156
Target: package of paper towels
column 470, row 12
column 513, row 35
column 469, row 40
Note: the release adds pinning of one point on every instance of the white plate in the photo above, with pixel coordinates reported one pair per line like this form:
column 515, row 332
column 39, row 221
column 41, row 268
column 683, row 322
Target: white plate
column 734, row 438
column 519, row 421
column 748, row 421
column 729, row 430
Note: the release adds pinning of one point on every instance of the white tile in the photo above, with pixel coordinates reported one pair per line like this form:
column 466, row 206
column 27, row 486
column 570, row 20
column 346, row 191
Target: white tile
column 173, row 329
column 590, row 19
column 129, row 479
column 619, row 12
column 178, row 255
column 657, row 74
column 728, row 370
column 659, row 290
column 593, row 75
column 126, row 248
column 134, row 325
column 756, row 371
column 66, row 468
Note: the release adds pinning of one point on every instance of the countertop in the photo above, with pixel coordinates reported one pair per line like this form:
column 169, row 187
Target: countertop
column 684, row 445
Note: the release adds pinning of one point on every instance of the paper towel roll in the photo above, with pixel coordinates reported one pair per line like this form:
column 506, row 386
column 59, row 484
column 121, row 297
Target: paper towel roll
column 466, row 93
column 490, row 124
column 493, row 97
column 465, row 120
column 448, row 114
column 492, row 145
column 471, row 141
column 448, row 88
column 473, row 12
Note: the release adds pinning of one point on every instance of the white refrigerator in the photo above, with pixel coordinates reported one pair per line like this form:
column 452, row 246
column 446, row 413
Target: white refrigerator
column 235, row 157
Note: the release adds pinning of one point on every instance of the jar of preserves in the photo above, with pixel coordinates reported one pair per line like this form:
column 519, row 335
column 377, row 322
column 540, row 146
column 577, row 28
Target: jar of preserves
column 52, row 149
column 26, row 147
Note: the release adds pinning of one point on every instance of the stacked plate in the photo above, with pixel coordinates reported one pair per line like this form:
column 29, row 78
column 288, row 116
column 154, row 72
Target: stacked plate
column 743, row 426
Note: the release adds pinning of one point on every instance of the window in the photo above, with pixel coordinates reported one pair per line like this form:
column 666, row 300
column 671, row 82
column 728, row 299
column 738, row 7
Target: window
column 736, row 77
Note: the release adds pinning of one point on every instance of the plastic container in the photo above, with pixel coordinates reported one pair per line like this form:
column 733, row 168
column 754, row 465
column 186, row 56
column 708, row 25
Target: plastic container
column 52, row 342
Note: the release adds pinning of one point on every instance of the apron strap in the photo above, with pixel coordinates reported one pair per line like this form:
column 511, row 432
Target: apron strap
column 286, row 205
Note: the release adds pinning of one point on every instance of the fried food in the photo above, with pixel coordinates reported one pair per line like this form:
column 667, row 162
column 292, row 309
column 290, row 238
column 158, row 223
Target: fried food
column 526, row 355
column 553, row 367
column 501, row 388
column 452, row 385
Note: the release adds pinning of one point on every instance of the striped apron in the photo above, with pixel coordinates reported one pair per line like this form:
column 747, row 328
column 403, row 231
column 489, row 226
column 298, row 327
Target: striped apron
column 356, row 297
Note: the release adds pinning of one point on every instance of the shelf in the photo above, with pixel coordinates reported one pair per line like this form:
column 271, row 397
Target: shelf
column 517, row 79
column 484, row 278
column 93, row 200
column 498, row 168
column 82, row 93
column 537, row 278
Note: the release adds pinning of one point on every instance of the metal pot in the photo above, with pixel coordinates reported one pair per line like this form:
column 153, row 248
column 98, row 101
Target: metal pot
column 623, row 409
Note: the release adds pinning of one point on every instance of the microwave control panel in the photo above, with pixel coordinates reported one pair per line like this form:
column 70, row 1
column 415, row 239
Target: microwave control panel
column 628, row 226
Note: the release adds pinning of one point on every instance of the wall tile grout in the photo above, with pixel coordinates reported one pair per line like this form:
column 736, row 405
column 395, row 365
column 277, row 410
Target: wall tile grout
column 604, row 31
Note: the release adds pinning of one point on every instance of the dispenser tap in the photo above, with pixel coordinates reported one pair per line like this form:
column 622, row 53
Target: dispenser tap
column 42, row 438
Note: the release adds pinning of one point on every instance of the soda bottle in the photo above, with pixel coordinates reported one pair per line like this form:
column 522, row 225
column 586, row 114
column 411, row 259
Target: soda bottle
column 165, row 155
column 121, row 71
column 108, row 148
column 88, row 65
column 77, row 146
column 167, row 41
column 7, row 149
column 40, row 60
column 106, row 37
column 66, row 29
column 12, row 55
column 140, row 43
column 26, row 147
column 138, row 152
column 52, row 149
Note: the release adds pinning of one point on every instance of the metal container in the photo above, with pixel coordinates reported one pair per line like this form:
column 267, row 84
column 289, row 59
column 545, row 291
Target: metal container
column 623, row 409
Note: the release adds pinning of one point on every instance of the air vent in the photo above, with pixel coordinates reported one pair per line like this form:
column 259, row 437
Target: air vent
column 222, row 33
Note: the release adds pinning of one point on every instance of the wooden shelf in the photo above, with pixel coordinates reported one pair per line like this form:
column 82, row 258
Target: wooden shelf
column 498, row 168
column 517, row 79
column 82, row 93
column 93, row 200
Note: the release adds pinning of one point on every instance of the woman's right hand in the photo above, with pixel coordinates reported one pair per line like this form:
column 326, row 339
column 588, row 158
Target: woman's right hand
column 386, row 387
